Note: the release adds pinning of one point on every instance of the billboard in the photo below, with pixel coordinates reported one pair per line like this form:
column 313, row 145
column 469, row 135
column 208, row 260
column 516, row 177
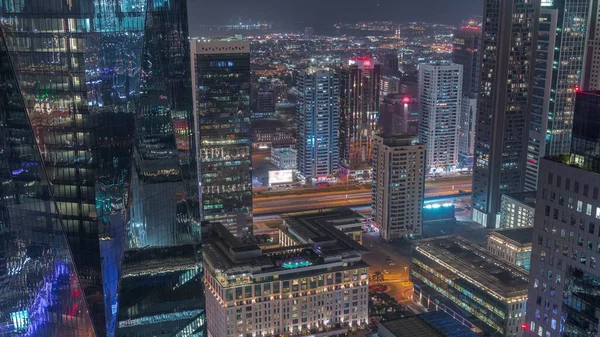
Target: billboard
column 281, row 177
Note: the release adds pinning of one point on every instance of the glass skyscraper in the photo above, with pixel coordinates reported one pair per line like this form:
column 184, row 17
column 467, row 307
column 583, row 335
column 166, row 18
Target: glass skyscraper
column 559, row 61
column 508, row 47
column 96, row 199
column 221, row 80
column 360, row 83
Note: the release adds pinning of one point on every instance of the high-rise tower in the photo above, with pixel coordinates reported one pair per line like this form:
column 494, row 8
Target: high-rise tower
column 466, row 51
column 440, row 88
column 87, row 144
column 318, row 118
column 221, row 81
column 564, row 277
column 360, row 82
column 508, row 45
column 557, row 77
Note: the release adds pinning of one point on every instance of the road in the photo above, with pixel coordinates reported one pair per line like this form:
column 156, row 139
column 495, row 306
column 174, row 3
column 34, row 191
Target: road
column 294, row 203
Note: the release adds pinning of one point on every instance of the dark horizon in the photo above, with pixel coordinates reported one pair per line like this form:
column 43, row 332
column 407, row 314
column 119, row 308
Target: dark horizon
column 324, row 13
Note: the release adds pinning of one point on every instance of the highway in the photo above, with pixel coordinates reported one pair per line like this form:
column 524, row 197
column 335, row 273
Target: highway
column 357, row 198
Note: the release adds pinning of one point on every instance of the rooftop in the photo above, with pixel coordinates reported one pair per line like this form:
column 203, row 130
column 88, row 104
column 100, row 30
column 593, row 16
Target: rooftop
column 313, row 243
column 522, row 235
column 402, row 139
column 526, row 198
column 475, row 265
column 319, row 227
column 431, row 324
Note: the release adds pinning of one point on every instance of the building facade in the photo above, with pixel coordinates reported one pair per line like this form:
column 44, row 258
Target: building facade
column 284, row 158
column 451, row 274
column 517, row 210
column 512, row 246
column 558, row 72
column 399, row 114
column 82, row 97
column 440, row 94
column 508, row 45
column 564, row 274
column 314, row 283
column 398, row 185
column 591, row 75
column 466, row 131
column 466, row 44
column 318, row 122
column 222, row 118
column 389, row 85
column 360, row 87
column 585, row 149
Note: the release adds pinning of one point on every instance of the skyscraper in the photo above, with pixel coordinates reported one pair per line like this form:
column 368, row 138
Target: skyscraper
column 557, row 76
column 466, row 52
column 398, row 185
column 80, row 176
column 440, row 88
column 466, row 131
column 221, row 82
column 508, row 45
column 318, row 116
column 360, row 81
column 591, row 71
column 564, row 273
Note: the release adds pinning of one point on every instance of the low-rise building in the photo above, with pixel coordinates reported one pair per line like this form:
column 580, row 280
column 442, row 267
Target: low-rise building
column 512, row 245
column 517, row 209
column 344, row 219
column 451, row 274
column 284, row 158
column 430, row 324
column 315, row 282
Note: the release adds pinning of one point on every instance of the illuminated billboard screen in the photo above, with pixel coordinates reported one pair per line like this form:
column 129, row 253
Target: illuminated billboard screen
column 281, row 177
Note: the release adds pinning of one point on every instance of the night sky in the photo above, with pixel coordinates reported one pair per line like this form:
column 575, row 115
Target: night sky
column 324, row 12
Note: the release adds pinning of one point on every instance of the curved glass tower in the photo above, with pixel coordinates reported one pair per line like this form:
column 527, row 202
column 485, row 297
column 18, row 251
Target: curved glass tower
column 97, row 218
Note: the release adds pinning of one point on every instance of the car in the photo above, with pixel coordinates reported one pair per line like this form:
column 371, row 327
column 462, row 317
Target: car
column 392, row 263
column 386, row 272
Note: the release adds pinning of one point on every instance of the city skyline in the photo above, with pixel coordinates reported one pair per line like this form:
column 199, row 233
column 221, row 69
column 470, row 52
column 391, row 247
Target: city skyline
column 183, row 168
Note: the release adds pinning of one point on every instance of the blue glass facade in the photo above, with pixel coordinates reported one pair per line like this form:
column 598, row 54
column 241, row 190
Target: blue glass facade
column 94, row 80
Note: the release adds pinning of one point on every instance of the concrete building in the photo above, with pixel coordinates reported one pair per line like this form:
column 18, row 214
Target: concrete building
column 343, row 219
column 517, row 210
column 389, row 85
column 512, row 245
column 360, row 81
column 284, row 158
column 557, row 77
column 430, row 324
column 440, row 94
column 222, row 119
column 451, row 274
column 399, row 114
column 314, row 283
column 508, row 47
column 398, row 185
column 466, row 131
column 318, row 118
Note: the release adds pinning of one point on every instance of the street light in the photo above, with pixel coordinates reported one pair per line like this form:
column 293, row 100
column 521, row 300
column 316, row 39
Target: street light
column 406, row 271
